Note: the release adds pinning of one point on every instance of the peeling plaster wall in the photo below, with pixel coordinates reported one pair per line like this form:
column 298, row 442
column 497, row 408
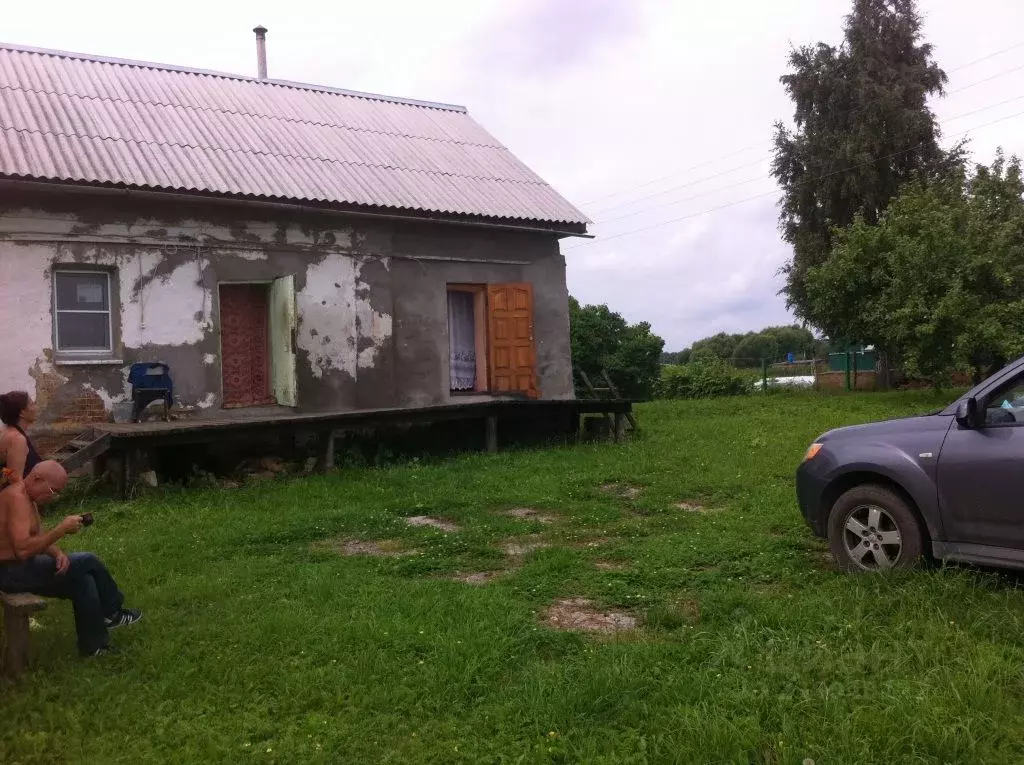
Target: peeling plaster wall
column 24, row 313
column 327, row 318
column 174, row 309
column 371, row 299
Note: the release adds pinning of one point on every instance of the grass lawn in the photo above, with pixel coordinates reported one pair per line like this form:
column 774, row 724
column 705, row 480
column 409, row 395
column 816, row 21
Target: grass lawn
column 263, row 644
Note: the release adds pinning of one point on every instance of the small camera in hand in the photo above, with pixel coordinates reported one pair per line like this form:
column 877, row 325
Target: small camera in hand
column 87, row 519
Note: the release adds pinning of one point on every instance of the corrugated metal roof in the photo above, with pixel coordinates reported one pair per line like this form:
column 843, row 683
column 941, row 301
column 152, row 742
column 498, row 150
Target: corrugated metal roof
column 77, row 118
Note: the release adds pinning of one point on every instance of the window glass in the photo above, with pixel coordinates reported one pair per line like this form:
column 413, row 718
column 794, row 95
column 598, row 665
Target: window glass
column 82, row 302
column 82, row 292
column 83, row 332
column 1006, row 406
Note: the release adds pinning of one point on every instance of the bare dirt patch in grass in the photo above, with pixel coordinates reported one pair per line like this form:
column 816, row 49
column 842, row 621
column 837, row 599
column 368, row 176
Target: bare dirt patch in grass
column 529, row 514
column 691, row 507
column 591, row 542
column 581, row 614
column 622, row 490
column 583, row 539
column 610, row 565
column 476, row 578
column 523, row 545
column 436, row 523
column 387, row 548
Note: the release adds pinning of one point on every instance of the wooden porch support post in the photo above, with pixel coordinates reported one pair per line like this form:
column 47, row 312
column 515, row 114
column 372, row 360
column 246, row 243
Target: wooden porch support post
column 124, row 474
column 326, row 457
column 492, row 433
column 288, row 444
column 619, row 429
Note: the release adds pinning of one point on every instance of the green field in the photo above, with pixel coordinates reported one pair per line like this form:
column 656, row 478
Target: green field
column 262, row 643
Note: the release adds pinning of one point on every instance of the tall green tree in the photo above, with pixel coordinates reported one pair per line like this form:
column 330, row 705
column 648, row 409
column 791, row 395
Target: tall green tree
column 720, row 346
column 772, row 344
column 603, row 340
column 939, row 281
column 863, row 129
column 751, row 348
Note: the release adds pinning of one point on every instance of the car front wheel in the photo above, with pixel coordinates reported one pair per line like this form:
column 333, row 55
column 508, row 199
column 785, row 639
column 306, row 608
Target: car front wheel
column 871, row 528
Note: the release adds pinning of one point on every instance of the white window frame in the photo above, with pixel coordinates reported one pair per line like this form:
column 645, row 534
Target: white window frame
column 57, row 311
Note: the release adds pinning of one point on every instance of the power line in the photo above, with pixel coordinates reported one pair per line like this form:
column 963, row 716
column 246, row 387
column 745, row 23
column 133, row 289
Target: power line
column 986, row 58
column 678, row 172
column 682, row 186
column 761, row 177
column 988, row 79
column 684, row 199
column 745, row 149
column 775, row 191
column 768, row 158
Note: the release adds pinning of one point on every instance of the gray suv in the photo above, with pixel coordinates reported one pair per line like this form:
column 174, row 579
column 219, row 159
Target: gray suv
column 950, row 482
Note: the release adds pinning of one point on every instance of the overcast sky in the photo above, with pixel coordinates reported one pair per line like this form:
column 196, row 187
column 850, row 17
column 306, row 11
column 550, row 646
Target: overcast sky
column 625, row 106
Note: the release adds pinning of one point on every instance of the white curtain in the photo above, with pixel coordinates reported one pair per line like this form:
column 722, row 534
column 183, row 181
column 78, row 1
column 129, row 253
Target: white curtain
column 462, row 340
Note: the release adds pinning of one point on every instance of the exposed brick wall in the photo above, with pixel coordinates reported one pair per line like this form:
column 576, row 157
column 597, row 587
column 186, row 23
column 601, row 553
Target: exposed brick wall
column 47, row 386
column 67, row 417
column 85, row 408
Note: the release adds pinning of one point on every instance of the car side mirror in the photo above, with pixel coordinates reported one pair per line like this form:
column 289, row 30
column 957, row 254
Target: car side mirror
column 967, row 414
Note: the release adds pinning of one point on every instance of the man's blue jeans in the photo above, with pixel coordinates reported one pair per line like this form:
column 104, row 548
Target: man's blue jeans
column 87, row 584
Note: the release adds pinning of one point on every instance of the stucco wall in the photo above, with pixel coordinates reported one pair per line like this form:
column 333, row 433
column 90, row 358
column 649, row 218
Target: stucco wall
column 371, row 298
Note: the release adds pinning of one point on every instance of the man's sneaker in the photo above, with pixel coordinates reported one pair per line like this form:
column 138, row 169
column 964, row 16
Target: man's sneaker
column 107, row 650
column 122, row 617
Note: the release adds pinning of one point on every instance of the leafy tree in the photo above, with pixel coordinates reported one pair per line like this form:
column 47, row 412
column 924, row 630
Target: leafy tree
column 603, row 340
column 772, row 344
column 939, row 281
column 863, row 130
column 755, row 348
column 750, row 349
column 676, row 357
column 720, row 346
column 794, row 339
column 703, row 354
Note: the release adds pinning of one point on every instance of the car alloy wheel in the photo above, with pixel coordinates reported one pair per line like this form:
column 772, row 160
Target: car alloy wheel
column 872, row 538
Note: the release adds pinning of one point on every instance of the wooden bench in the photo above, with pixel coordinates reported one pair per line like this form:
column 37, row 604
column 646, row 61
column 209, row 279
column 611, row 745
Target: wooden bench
column 17, row 609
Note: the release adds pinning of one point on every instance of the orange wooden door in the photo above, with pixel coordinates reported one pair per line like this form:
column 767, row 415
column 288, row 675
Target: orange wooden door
column 513, row 360
column 244, row 355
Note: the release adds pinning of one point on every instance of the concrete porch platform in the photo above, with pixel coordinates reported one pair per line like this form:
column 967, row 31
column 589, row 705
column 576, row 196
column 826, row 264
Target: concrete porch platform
column 128, row 439
column 273, row 418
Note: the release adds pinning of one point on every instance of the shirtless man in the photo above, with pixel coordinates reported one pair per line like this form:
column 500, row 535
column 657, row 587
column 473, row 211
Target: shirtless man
column 30, row 560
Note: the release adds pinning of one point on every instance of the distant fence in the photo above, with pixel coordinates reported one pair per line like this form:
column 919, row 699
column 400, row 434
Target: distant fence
column 818, row 373
column 860, row 371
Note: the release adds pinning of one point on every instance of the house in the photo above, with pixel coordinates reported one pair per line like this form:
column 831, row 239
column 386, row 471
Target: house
column 275, row 243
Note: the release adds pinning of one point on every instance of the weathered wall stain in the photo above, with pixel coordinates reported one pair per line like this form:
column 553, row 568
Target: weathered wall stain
column 370, row 296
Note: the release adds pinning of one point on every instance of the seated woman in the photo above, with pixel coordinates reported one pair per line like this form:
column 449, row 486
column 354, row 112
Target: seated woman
column 17, row 454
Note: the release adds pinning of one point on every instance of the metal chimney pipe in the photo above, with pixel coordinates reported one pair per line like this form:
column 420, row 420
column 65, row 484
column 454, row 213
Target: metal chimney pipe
column 261, row 51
